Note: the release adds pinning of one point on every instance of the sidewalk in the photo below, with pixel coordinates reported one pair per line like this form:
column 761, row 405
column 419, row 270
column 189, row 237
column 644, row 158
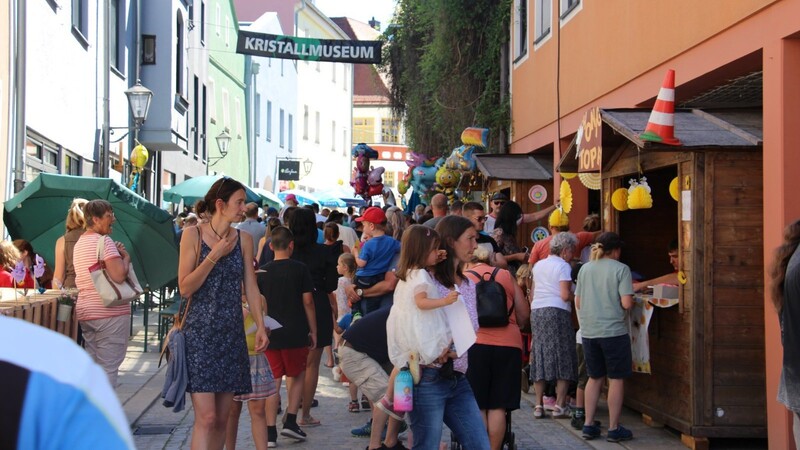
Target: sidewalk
column 157, row 427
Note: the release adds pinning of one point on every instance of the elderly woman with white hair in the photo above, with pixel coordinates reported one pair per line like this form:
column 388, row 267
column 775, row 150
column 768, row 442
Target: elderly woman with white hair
column 553, row 356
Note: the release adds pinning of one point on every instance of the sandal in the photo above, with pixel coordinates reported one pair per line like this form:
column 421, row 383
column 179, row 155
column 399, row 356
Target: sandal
column 560, row 412
column 353, row 406
column 308, row 421
column 538, row 412
column 365, row 404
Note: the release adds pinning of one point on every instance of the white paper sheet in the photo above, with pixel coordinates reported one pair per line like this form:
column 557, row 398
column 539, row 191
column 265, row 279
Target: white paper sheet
column 269, row 322
column 460, row 326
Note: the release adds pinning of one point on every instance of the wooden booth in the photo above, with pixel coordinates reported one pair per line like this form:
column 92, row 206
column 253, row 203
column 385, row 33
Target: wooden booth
column 707, row 352
column 525, row 179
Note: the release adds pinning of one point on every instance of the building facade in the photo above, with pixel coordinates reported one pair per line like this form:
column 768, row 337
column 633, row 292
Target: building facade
column 570, row 55
column 6, row 77
column 271, row 108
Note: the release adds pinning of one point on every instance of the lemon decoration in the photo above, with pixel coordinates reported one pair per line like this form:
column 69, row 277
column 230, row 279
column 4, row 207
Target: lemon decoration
column 565, row 194
column 682, row 277
column 620, row 199
column 558, row 218
column 673, row 188
column 639, row 194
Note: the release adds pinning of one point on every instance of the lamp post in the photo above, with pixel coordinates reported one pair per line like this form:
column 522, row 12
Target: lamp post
column 307, row 164
column 139, row 100
column 223, row 141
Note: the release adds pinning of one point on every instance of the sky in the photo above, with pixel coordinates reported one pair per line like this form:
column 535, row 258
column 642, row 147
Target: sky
column 361, row 10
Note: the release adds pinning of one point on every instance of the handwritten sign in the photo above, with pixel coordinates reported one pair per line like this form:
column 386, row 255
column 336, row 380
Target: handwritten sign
column 590, row 148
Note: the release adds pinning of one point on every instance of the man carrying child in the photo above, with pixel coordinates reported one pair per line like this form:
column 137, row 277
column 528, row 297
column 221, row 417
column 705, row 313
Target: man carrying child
column 374, row 258
column 287, row 286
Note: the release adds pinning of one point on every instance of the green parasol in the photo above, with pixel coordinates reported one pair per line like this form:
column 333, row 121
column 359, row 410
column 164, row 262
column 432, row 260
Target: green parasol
column 194, row 189
column 38, row 215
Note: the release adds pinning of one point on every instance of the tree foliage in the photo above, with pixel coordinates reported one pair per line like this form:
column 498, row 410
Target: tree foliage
column 443, row 59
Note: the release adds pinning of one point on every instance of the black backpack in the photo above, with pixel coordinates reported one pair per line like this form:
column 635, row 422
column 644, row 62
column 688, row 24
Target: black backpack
column 491, row 301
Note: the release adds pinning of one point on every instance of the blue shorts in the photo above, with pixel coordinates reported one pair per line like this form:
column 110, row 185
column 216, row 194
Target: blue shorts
column 608, row 357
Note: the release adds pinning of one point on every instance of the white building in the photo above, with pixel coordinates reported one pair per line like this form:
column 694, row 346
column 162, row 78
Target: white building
column 272, row 108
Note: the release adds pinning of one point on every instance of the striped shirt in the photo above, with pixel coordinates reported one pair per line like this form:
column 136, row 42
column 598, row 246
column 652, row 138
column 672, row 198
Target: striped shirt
column 90, row 305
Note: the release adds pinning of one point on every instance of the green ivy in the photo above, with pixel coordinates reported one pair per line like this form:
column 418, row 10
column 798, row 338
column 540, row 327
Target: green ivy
column 443, row 58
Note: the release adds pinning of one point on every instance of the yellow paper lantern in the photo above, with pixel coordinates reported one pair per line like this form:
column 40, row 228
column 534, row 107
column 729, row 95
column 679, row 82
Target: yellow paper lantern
column 139, row 156
column 639, row 198
column 568, row 175
column 620, row 199
column 565, row 195
column 292, row 185
column 673, row 189
column 558, row 218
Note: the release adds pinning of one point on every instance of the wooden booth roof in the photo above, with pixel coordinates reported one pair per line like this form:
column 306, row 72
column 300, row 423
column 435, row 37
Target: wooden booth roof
column 696, row 129
column 515, row 167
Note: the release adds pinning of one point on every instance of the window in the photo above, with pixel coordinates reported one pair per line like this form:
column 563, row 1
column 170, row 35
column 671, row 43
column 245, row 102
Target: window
column 281, row 133
column 219, row 20
column 316, row 129
column 227, row 31
column 344, row 142
column 204, row 122
column 72, row 165
column 318, row 68
column 203, row 23
column 257, row 115
column 115, row 34
column 80, row 18
column 567, row 6
column 238, row 111
column 363, row 130
column 179, row 56
column 388, row 179
column 305, row 122
column 520, row 29
column 39, row 158
column 226, row 109
column 345, row 78
column 281, row 67
column 291, row 132
column 390, row 131
column 212, row 100
column 196, row 117
column 333, row 136
column 269, row 121
column 333, row 72
column 543, row 19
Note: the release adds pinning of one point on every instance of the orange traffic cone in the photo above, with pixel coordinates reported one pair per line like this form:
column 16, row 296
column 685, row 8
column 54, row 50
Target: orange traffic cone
column 661, row 126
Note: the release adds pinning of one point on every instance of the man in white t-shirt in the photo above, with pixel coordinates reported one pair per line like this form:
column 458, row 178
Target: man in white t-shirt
column 499, row 199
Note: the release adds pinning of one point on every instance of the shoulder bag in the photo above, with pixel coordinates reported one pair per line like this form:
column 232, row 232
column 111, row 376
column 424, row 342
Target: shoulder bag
column 113, row 293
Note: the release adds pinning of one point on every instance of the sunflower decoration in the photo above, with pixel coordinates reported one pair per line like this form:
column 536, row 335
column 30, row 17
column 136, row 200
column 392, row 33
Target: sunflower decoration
column 639, row 194
column 619, row 199
column 565, row 195
column 558, row 218
column 673, row 189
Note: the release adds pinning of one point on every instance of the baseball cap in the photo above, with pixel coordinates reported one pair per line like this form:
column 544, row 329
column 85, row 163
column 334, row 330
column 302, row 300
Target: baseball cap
column 499, row 196
column 272, row 210
column 373, row 214
column 291, row 197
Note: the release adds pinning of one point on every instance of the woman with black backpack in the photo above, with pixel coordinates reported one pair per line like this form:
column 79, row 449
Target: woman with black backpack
column 495, row 360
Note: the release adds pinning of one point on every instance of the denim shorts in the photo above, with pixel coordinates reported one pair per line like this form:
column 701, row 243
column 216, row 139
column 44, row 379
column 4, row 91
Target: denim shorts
column 608, row 357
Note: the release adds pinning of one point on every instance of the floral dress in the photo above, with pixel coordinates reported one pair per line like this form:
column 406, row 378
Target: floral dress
column 216, row 348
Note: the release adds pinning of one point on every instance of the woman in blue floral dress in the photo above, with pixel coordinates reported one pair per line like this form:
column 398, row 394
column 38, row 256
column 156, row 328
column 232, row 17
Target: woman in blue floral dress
column 216, row 350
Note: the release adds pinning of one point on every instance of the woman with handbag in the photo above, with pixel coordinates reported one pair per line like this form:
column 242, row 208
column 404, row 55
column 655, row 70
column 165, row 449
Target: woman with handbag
column 217, row 360
column 105, row 329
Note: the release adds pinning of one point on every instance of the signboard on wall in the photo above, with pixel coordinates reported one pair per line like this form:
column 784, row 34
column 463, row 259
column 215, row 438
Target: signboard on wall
column 589, row 142
column 308, row 49
column 288, row 170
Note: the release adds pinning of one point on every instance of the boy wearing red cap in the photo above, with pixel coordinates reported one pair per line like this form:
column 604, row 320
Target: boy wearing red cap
column 375, row 256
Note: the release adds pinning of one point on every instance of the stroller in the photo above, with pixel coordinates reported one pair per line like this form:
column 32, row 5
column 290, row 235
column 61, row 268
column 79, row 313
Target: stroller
column 508, row 439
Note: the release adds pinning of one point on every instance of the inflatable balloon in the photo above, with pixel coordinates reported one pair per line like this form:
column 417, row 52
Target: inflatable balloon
column 422, row 180
column 461, row 159
column 139, row 156
column 475, row 136
column 446, row 182
column 363, row 153
column 375, row 181
column 363, row 149
column 402, row 187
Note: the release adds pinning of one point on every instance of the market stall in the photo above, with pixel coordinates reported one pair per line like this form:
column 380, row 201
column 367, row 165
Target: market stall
column 525, row 179
column 707, row 351
column 41, row 309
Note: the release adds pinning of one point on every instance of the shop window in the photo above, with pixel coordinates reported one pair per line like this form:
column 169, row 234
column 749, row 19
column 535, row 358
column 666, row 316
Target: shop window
column 390, row 131
column 363, row 130
column 520, row 29
column 542, row 19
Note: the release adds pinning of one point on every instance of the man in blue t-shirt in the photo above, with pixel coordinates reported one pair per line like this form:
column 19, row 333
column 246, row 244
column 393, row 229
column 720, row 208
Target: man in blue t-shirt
column 376, row 255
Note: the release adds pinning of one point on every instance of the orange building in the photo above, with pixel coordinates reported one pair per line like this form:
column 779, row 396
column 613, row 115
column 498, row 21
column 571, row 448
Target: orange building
column 571, row 55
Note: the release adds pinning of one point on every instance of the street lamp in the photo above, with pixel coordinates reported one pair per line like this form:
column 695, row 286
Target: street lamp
column 139, row 100
column 307, row 166
column 223, row 141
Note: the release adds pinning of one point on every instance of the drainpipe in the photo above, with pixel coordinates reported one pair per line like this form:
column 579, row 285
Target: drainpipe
column 296, row 15
column 255, row 68
column 103, row 160
column 18, row 94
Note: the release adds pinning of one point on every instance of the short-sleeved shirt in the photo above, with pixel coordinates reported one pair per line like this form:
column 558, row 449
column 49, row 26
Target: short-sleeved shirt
column 547, row 277
column 487, row 242
column 509, row 335
column 368, row 335
column 601, row 283
column 255, row 229
column 379, row 253
column 90, row 305
column 541, row 249
column 283, row 283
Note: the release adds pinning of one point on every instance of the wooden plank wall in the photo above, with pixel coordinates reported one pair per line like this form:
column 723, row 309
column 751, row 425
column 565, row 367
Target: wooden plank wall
column 734, row 184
